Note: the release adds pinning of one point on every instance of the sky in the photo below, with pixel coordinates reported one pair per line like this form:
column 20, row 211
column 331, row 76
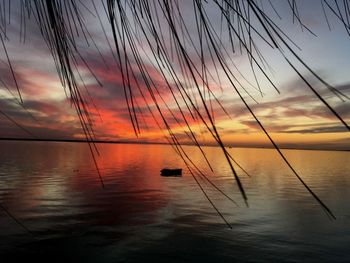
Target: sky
column 294, row 117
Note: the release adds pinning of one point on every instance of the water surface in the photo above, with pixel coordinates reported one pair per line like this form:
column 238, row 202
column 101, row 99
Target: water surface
column 54, row 190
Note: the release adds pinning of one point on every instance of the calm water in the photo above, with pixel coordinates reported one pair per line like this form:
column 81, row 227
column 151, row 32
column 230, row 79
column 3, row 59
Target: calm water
column 53, row 189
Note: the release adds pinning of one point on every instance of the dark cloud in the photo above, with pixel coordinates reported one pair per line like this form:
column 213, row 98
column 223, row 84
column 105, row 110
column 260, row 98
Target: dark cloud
column 343, row 109
column 332, row 129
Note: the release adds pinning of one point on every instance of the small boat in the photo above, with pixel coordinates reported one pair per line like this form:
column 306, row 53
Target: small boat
column 171, row 172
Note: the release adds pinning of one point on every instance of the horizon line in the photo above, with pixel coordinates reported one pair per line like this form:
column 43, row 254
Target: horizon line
column 164, row 143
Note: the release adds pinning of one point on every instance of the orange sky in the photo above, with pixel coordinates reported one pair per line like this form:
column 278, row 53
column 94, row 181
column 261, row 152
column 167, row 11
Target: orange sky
column 295, row 118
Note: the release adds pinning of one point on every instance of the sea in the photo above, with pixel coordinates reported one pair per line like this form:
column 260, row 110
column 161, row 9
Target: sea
column 54, row 207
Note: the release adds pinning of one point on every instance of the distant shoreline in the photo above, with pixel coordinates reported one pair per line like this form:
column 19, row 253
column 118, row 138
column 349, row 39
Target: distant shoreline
column 161, row 143
column 58, row 140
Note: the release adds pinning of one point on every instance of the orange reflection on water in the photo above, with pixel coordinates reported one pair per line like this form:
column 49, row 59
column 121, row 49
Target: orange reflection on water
column 59, row 180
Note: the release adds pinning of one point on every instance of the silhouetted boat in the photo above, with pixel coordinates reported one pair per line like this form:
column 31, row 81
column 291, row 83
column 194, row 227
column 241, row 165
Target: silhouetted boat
column 171, row 172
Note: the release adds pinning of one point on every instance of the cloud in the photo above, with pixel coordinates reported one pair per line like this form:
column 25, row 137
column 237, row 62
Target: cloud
column 291, row 113
column 332, row 129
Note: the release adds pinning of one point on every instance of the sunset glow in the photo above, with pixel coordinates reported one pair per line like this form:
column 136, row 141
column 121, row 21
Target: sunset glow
column 295, row 117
